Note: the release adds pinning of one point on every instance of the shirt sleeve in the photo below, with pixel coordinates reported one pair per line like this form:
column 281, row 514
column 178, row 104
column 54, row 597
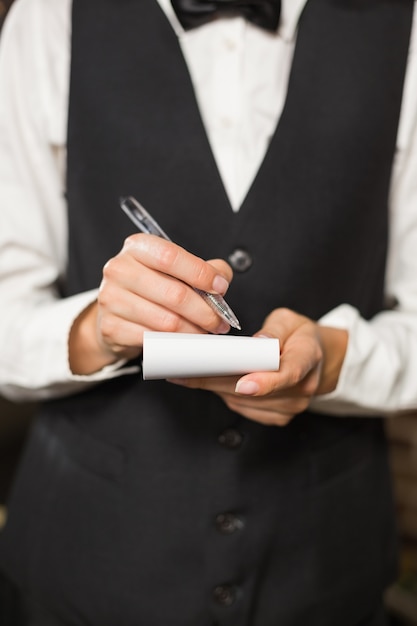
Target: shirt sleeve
column 379, row 375
column 34, row 320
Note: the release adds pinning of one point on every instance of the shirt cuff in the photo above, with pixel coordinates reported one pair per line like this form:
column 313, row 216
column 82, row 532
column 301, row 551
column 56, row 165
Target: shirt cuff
column 350, row 398
column 43, row 371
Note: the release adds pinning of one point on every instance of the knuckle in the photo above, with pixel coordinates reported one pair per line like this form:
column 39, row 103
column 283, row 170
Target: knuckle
column 130, row 241
column 284, row 313
column 132, row 246
column 309, row 386
column 134, row 242
column 169, row 322
column 104, row 296
column 112, row 268
column 295, row 376
column 108, row 268
column 319, row 354
column 203, row 274
column 176, row 294
column 167, row 256
column 102, row 300
column 106, row 329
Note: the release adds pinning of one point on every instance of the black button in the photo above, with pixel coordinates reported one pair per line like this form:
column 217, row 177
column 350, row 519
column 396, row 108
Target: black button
column 240, row 260
column 231, row 438
column 228, row 523
column 225, row 595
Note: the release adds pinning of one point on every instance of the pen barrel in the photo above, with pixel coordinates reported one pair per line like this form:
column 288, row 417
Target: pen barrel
column 220, row 306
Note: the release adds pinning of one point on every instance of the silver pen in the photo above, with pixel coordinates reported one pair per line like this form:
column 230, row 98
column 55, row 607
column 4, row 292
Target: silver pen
column 145, row 222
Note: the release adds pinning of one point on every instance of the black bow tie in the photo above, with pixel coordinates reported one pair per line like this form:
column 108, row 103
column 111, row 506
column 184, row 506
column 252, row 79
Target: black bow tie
column 193, row 13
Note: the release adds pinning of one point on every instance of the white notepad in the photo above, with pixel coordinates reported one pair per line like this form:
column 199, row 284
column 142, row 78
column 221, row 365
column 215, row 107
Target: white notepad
column 183, row 355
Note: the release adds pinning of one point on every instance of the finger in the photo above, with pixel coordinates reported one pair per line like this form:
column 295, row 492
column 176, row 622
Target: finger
column 269, row 404
column 125, row 274
column 217, row 384
column 297, row 377
column 262, row 416
column 121, row 337
column 222, row 268
column 281, row 323
column 296, row 369
column 180, row 299
column 270, row 410
column 300, row 362
column 265, row 411
column 171, row 259
column 137, row 314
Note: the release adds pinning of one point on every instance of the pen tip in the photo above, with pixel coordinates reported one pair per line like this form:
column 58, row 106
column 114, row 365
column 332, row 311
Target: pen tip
column 233, row 322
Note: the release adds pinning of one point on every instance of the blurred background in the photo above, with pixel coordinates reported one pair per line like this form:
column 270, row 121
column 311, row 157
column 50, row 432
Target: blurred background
column 401, row 598
column 4, row 5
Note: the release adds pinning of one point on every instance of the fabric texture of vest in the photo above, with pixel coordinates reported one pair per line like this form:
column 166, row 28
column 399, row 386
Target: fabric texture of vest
column 155, row 505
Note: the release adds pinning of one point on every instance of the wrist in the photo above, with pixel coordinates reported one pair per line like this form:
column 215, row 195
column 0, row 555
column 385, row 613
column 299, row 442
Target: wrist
column 334, row 343
column 86, row 355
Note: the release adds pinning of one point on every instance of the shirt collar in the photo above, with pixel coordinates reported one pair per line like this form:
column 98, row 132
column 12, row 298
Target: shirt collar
column 290, row 14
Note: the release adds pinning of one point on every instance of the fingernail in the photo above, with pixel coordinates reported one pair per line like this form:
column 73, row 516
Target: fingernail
column 220, row 284
column 247, row 387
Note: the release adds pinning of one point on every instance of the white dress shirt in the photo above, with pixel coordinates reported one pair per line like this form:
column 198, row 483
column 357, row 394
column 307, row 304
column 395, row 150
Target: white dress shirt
column 232, row 64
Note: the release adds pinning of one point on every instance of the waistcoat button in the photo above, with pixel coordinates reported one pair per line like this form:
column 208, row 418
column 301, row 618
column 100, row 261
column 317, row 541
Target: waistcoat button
column 225, row 595
column 240, row 260
column 231, row 438
column 228, row 523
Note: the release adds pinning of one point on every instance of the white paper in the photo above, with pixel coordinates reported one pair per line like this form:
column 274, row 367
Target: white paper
column 181, row 355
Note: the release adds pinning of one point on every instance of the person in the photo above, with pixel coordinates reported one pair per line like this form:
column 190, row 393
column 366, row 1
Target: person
column 279, row 145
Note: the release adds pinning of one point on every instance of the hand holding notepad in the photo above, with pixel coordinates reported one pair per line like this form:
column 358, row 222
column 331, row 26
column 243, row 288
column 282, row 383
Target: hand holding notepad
column 179, row 355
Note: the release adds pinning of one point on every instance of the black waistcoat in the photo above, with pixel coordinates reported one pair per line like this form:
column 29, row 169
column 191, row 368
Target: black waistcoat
column 155, row 505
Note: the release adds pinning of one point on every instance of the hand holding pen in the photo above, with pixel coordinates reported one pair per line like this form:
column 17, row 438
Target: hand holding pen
column 145, row 222
column 150, row 284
